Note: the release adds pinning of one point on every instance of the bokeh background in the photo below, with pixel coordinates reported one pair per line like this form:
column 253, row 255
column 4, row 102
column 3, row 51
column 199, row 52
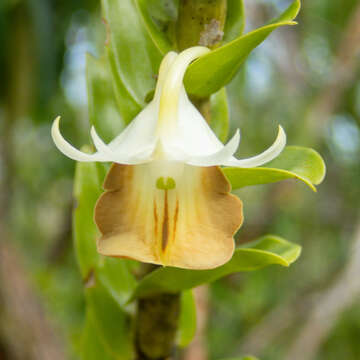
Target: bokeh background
column 306, row 77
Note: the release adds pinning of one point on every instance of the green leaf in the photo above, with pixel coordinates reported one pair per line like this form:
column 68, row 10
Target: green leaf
column 87, row 189
column 214, row 70
column 159, row 38
column 294, row 162
column 251, row 256
column 115, row 276
column 219, row 120
column 235, row 20
column 127, row 105
column 290, row 13
column 187, row 321
column 133, row 56
column 91, row 346
column 112, row 324
column 103, row 110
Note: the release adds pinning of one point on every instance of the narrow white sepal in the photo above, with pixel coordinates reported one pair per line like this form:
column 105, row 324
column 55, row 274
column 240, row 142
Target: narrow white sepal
column 271, row 153
column 69, row 150
column 101, row 147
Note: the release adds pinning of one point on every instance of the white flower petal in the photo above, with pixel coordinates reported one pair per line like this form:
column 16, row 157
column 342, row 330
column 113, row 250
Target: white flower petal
column 163, row 71
column 69, row 150
column 172, row 87
column 141, row 132
column 192, row 134
column 271, row 153
column 219, row 157
column 141, row 156
column 180, row 123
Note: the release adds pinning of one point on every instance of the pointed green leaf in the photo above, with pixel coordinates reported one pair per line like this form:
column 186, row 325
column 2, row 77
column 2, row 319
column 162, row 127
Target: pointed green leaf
column 87, row 189
column 112, row 324
column 214, row 70
column 219, row 120
column 251, row 256
column 294, row 162
column 103, row 111
column 133, row 56
column 187, row 322
column 290, row 13
column 159, row 38
column 235, row 20
column 127, row 105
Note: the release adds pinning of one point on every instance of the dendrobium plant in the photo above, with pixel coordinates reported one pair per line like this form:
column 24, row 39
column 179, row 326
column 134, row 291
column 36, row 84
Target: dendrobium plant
column 167, row 201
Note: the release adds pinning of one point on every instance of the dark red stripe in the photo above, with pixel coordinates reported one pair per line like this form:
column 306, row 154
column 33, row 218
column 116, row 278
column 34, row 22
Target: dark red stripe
column 165, row 226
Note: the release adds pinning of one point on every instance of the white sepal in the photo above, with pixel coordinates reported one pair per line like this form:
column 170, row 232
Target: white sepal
column 101, row 147
column 140, row 155
column 69, row 150
column 271, row 153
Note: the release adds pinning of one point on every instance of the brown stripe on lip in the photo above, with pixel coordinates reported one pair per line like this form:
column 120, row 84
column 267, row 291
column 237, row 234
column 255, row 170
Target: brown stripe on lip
column 155, row 219
column 176, row 218
column 165, row 226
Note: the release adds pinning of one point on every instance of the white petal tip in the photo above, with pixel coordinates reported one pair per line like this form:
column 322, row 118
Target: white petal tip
column 281, row 134
column 271, row 153
column 93, row 131
column 66, row 148
column 55, row 129
column 281, row 139
column 101, row 147
column 55, row 124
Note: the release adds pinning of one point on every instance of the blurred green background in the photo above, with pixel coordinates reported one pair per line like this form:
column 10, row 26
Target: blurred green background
column 307, row 78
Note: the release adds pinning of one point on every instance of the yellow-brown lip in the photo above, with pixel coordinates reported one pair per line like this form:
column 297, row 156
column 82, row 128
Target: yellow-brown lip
column 190, row 226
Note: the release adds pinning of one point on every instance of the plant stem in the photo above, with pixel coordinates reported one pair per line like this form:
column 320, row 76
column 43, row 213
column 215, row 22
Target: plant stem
column 157, row 321
column 200, row 22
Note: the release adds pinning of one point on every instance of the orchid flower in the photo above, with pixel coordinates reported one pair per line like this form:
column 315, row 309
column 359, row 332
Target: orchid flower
column 166, row 201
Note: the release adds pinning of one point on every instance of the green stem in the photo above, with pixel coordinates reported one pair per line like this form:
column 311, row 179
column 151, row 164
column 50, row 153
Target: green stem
column 200, row 22
column 157, row 322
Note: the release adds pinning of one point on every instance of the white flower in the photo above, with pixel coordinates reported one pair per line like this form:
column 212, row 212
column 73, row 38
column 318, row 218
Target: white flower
column 167, row 202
